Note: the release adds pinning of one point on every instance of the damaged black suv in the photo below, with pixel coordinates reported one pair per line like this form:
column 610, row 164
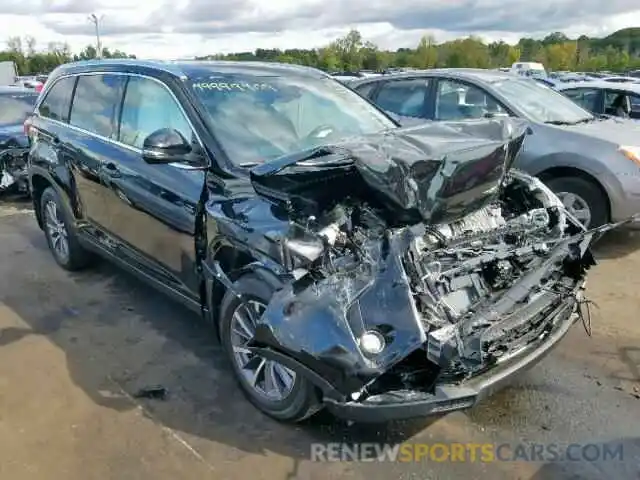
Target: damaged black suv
column 347, row 263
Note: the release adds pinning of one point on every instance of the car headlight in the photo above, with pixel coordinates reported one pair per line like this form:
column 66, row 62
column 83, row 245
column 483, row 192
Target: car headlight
column 372, row 342
column 632, row 153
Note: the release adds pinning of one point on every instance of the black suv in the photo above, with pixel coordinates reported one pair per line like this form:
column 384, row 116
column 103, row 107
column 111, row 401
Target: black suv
column 343, row 261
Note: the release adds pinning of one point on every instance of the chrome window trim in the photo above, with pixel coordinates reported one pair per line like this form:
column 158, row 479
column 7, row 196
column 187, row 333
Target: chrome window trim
column 111, row 140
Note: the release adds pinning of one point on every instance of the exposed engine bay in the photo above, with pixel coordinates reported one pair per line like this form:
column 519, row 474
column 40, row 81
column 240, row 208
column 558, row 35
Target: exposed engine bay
column 417, row 261
column 13, row 169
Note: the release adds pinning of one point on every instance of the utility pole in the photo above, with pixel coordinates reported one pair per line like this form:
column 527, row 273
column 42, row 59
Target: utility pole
column 93, row 18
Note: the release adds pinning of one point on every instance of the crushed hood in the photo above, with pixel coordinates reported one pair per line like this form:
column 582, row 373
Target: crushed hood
column 436, row 172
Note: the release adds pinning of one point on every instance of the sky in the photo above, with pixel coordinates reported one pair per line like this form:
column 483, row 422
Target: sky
column 185, row 28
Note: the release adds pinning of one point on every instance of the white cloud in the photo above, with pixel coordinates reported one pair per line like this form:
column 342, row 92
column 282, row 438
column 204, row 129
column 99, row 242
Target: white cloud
column 184, row 28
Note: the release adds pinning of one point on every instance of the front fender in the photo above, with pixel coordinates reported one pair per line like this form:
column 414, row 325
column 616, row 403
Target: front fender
column 319, row 323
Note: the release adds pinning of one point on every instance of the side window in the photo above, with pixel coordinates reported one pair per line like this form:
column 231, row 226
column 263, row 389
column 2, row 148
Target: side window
column 635, row 102
column 461, row 101
column 404, row 97
column 95, row 102
column 57, row 101
column 366, row 89
column 149, row 106
column 587, row 98
column 613, row 101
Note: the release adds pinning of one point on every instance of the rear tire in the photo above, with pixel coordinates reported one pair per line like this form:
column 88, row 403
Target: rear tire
column 61, row 234
column 583, row 198
column 298, row 399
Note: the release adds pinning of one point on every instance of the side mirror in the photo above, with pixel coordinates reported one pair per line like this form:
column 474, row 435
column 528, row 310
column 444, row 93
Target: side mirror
column 168, row 145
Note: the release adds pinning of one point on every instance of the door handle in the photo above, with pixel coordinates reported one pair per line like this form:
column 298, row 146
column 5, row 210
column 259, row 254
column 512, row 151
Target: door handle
column 112, row 170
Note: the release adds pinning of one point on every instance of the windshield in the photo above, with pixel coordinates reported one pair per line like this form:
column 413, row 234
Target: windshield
column 15, row 107
column 540, row 103
column 259, row 118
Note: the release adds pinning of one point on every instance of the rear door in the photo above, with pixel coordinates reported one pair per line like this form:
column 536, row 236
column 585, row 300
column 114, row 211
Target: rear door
column 92, row 127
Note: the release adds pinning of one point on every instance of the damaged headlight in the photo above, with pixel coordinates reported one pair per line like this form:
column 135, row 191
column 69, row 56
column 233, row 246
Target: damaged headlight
column 372, row 342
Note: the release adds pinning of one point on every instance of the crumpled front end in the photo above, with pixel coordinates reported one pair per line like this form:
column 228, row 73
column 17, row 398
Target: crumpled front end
column 13, row 168
column 393, row 318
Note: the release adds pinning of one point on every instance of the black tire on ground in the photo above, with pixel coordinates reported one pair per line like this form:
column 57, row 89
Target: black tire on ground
column 592, row 194
column 78, row 257
column 303, row 399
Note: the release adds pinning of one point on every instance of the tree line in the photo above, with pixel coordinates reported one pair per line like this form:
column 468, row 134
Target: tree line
column 31, row 61
column 617, row 52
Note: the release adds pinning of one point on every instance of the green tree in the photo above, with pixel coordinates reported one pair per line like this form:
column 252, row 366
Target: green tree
column 426, row 55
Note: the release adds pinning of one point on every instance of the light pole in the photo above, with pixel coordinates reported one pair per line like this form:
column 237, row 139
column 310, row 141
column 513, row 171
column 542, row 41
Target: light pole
column 93, row 18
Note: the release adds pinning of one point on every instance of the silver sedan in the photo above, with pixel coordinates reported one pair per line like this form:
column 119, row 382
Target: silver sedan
column 591, row 162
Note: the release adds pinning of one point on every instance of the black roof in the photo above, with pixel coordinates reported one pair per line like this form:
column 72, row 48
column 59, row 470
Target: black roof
column 189, row 68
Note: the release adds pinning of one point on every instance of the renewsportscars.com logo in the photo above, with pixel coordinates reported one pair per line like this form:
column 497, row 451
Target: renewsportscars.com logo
column 466, row 452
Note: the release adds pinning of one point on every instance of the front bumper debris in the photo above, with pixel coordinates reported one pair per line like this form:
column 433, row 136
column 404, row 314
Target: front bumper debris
column 466, row 394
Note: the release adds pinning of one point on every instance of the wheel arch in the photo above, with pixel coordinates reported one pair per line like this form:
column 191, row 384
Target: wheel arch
column 41, row 179
column 558, row 172
column 224, row 265
column 39, row 183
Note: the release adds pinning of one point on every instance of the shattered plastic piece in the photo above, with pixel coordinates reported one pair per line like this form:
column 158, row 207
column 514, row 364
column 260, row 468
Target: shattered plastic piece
column 156, row 392
column 6, row 181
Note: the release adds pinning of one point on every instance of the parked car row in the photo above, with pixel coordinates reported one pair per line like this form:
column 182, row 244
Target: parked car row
column 345, row 261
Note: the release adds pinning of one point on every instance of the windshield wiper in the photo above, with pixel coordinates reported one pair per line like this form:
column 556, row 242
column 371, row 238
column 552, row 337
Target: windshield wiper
column 586, row 120
column 324, row 155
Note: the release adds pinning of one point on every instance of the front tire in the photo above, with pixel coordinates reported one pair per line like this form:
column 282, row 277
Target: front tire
column 583, row 198
column 61, row 234
column 271, row 387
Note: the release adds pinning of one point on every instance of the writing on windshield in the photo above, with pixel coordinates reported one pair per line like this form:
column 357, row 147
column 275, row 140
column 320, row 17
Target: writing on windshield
column 238, row 87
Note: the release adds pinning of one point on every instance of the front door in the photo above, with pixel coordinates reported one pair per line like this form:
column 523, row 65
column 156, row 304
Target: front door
column 152, row 208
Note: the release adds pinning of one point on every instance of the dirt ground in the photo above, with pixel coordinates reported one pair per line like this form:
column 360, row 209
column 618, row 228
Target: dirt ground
column 74, row 349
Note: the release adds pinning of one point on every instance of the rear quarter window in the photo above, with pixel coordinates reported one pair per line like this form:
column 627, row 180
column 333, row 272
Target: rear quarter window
column 57, row 100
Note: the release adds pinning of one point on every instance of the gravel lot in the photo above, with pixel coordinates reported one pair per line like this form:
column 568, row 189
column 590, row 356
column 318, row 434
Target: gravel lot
column 75, row 348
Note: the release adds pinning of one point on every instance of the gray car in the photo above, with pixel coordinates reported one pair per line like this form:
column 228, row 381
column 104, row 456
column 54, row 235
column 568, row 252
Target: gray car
column 591, row 162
